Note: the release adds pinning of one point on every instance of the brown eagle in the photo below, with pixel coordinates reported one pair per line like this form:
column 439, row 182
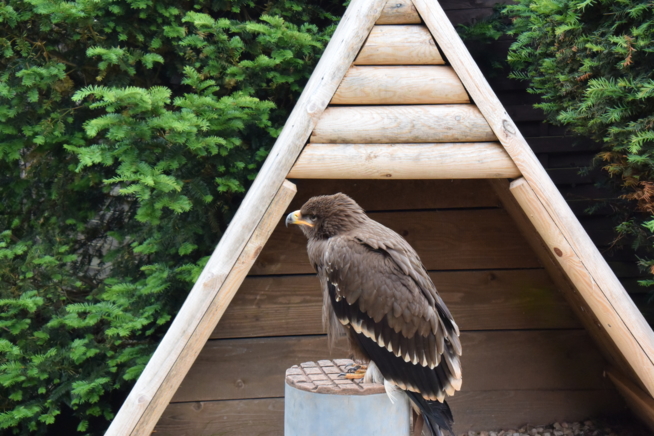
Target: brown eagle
column 375, row 285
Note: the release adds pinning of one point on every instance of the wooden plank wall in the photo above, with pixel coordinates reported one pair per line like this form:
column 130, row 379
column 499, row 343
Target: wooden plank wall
column 526, row 358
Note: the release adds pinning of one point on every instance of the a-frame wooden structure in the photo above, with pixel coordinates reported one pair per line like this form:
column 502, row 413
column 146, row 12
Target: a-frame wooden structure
column 381, row 104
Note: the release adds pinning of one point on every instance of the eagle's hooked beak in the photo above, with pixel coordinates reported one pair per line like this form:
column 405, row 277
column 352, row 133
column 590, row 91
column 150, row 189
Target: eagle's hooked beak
column 296, row 218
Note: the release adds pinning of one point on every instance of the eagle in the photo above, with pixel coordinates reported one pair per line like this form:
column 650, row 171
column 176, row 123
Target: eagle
column 376, row 287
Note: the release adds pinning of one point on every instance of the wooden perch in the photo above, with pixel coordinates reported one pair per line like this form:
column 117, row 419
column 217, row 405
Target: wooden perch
column 400, row 85
column 477, row 160
column 612, row 307
column 399, row 45
column 399, row 12
column 402, row 124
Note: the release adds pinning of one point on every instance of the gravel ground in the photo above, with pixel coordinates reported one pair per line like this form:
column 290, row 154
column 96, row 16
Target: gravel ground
column 624, row 427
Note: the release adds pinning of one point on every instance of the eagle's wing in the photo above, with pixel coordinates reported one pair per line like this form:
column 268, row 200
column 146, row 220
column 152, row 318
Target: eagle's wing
column 379, row 288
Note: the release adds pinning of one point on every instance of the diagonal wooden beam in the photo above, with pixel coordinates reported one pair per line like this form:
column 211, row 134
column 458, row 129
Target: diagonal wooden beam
column 638, row 345
column 193, row 325
column 145, row 403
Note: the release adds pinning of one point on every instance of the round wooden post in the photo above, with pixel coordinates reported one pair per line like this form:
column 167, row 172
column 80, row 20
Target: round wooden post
column 320, row 402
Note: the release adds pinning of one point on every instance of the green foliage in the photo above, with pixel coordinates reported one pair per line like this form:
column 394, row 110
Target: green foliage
column 592, row 61
column 129, row 131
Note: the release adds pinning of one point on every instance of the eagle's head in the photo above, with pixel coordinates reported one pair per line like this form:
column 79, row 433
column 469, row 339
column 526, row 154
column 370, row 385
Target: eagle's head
column 325, row 216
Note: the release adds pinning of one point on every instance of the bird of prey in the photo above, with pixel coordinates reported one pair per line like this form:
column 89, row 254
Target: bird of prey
column 375, row 285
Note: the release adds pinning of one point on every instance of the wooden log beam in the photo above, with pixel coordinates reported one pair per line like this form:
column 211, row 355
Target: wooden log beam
column 399, row 12
column 399, row 45
column 401, row 124
column 641, row 340
column 420, row 84
column 614, row 309
column 640, row 403
column 471, row 160
column 144, row 404
column 192, row 327
column 547, row 258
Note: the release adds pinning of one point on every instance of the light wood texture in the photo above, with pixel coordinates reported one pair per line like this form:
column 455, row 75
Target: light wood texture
column 445, row 240
column 575, row 301
column 492, row 360
column 401, row 124
column 139, row 413
column 461, row 160
column 638, row 344
column 399, row 45
column 478, row 300
column 473, row 411
column 576, row 269
column 399, row 12
column 400, row 85
column 376, row 195
column 640, row 403
column 192, row 327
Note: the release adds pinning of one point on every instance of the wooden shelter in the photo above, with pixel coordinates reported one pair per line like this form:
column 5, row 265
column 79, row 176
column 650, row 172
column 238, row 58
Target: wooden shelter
column 398, row 116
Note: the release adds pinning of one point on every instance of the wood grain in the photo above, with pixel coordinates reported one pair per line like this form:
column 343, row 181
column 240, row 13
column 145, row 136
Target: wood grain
column 618, row 325
column 459, row 160
column 478, row 300
column 375, row 195
column 445, row 240
column 400, row 85
column 399, row 12
column 191, row 328
column 473, row 411
column 401, row 124
column 399, row 45
column 639, row 401
column 639, row 349
column 492, row 360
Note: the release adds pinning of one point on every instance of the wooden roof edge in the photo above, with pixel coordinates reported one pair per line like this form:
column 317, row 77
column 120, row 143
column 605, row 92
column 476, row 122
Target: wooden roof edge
column 639, row 347
column 162, row 376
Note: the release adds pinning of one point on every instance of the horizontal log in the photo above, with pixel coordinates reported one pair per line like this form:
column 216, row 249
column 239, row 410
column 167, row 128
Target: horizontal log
column 401, row 124
column 399, row 45
column 445, row 240
column 492, row 360
column 478, row 300
column 473, row 411
column 399, row 12
column 421, row 84
column 388, row 195
column 460, row 160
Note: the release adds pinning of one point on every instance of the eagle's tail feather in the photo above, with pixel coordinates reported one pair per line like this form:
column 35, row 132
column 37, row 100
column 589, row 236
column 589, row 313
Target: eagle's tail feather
column 437, row 415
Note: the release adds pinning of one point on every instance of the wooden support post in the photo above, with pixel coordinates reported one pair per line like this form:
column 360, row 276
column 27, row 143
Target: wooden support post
column 640, row 403
column 399, row 45
column 401, row 124
column 475, row 160
column 611, row 306
column 418, row 84
column 191, row 328
column 640, row 343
